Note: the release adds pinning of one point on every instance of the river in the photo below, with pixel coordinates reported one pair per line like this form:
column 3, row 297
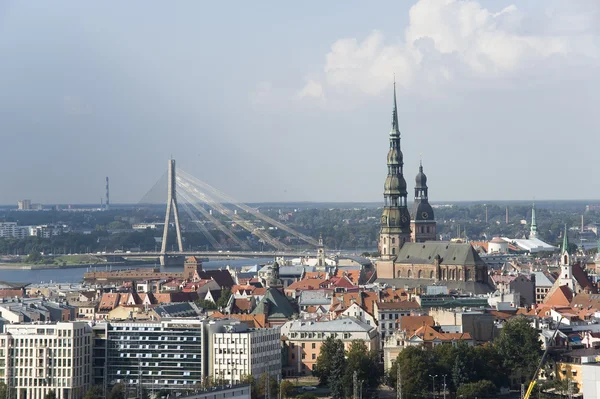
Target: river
column 75, row 275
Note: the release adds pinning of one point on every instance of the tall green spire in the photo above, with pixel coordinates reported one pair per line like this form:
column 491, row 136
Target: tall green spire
column 533, row 230
column 395, row 129
column 565, row 243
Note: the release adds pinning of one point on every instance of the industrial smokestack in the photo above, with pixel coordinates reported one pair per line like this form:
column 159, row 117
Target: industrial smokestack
column 107, row 195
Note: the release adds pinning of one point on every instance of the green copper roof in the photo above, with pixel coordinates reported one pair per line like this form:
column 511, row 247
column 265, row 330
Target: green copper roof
column 565, row 243
column 395, row 129
column 275, row 305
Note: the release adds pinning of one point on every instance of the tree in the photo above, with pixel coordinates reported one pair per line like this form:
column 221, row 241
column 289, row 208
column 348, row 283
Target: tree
column 224, row 298
column 416, row 364
column 365, row 363
column 94, row 392
column 307, row 395
column 34, row 256
column 50, row 395
column 479, row 389
column 287, row 389
column 519, row 347
column 117, row 392
column 337, row 372
column 4, row 389
column 322, row 368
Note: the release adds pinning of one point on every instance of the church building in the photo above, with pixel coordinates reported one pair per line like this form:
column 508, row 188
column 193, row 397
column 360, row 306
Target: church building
column 410, row 254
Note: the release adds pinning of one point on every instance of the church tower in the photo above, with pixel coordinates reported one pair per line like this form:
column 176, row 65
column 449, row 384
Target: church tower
column 566, row 266
column 533, row 229
column 395, row 220
column 422, row 225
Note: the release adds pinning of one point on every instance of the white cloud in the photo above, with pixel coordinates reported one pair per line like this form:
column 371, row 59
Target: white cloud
column 312, row 89
column 452, row 41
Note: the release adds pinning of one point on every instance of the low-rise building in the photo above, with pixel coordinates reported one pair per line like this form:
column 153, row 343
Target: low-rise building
column 388, row 313
column 302, row 340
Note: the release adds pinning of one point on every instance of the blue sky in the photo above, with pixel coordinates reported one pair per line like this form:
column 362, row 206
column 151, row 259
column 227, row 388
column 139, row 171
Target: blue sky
column 281, row 101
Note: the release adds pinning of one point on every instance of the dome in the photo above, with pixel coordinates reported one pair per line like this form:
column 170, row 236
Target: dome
column 394, row 157
column 421, row 179
column 395, row 185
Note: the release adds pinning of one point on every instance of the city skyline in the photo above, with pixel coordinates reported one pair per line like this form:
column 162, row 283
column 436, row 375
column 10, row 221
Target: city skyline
column 302, row 115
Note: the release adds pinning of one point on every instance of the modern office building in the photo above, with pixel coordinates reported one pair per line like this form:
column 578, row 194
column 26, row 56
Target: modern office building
column 38, row 358
column 238, row 351
column 154, row 355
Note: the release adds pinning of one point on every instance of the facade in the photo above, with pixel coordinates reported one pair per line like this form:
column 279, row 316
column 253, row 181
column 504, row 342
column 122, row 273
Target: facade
column 395, row 220
column 422, row 224
column 239, row 351
column 24, row 205
column 302, row 340
column 39, row 358
column 12, row 230
column 155, row 355
column 455, row 265
column 387, row 315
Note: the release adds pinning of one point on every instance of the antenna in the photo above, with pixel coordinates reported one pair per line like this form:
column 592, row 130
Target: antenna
column 107, row 195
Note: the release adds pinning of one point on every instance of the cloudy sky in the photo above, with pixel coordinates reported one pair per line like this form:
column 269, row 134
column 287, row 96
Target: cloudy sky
column 291, row 101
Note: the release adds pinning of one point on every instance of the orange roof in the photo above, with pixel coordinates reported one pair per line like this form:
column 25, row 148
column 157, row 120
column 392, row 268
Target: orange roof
column 242, row 305
column 109, row 301
column 410, row 324
column 562, row 296
column 246, row 287
column 401, row 305
column 353, row 275
column 585, row 300
column 309, row 284
column 428, row 333
column 253, row 321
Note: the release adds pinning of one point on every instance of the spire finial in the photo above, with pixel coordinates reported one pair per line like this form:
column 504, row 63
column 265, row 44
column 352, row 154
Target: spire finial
column 565, row 244
column 395, row 129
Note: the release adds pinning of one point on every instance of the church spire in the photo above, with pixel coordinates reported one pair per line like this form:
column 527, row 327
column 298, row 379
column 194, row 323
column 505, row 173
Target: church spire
column 533, row 230
column 565, row 243
column 395, row 129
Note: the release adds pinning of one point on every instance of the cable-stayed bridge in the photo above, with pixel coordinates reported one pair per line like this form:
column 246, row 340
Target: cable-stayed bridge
column 205, row 205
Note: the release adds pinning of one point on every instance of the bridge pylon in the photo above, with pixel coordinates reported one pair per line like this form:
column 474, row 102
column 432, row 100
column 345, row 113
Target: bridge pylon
column 165, row 258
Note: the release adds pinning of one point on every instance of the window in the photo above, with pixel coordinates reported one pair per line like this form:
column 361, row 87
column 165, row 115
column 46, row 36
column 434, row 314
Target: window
column 303, row 345
column 314, row 356
column 314, row 345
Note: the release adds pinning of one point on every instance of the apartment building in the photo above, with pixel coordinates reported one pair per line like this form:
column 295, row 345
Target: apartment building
column 12, row 230
column 238, row 351
column 39, row 358
column 388, row 313
column 302, row 340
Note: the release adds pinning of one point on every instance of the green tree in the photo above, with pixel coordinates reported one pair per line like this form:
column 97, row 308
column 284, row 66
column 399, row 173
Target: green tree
column 519, row 347
column 4, row 389
column 34, row 257
column 365, row 363
column 50, row 395
column 117, row 392
column 224, row 298
column 307, row 395
column 322, row 368
column 479, row 389
column 337, row 373
column 94, row 392
column 416, row 364
column 287, row 389
column 262, row 385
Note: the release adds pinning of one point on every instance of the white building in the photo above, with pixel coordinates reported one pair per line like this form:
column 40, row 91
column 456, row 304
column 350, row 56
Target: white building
column 40, row 358
column 12, row 230
column 239, row 351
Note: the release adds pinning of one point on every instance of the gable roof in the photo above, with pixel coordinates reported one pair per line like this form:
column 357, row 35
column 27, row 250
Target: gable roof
column 449, row 252
column 274, row 305
column 562, row 296
column 428, row 333
column 410, row 324
column 251, row 320
column 582, row 278
column 222, row 277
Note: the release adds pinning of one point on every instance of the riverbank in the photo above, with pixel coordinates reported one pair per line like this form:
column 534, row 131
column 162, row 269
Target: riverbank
column 35, row 266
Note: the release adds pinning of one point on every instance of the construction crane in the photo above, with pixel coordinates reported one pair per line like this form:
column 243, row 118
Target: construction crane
column 541, row 363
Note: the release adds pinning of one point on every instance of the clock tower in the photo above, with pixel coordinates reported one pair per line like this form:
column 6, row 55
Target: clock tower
column 422, row 224
column 395, row 220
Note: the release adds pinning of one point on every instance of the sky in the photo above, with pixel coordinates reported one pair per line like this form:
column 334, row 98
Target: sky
column 292, row 101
